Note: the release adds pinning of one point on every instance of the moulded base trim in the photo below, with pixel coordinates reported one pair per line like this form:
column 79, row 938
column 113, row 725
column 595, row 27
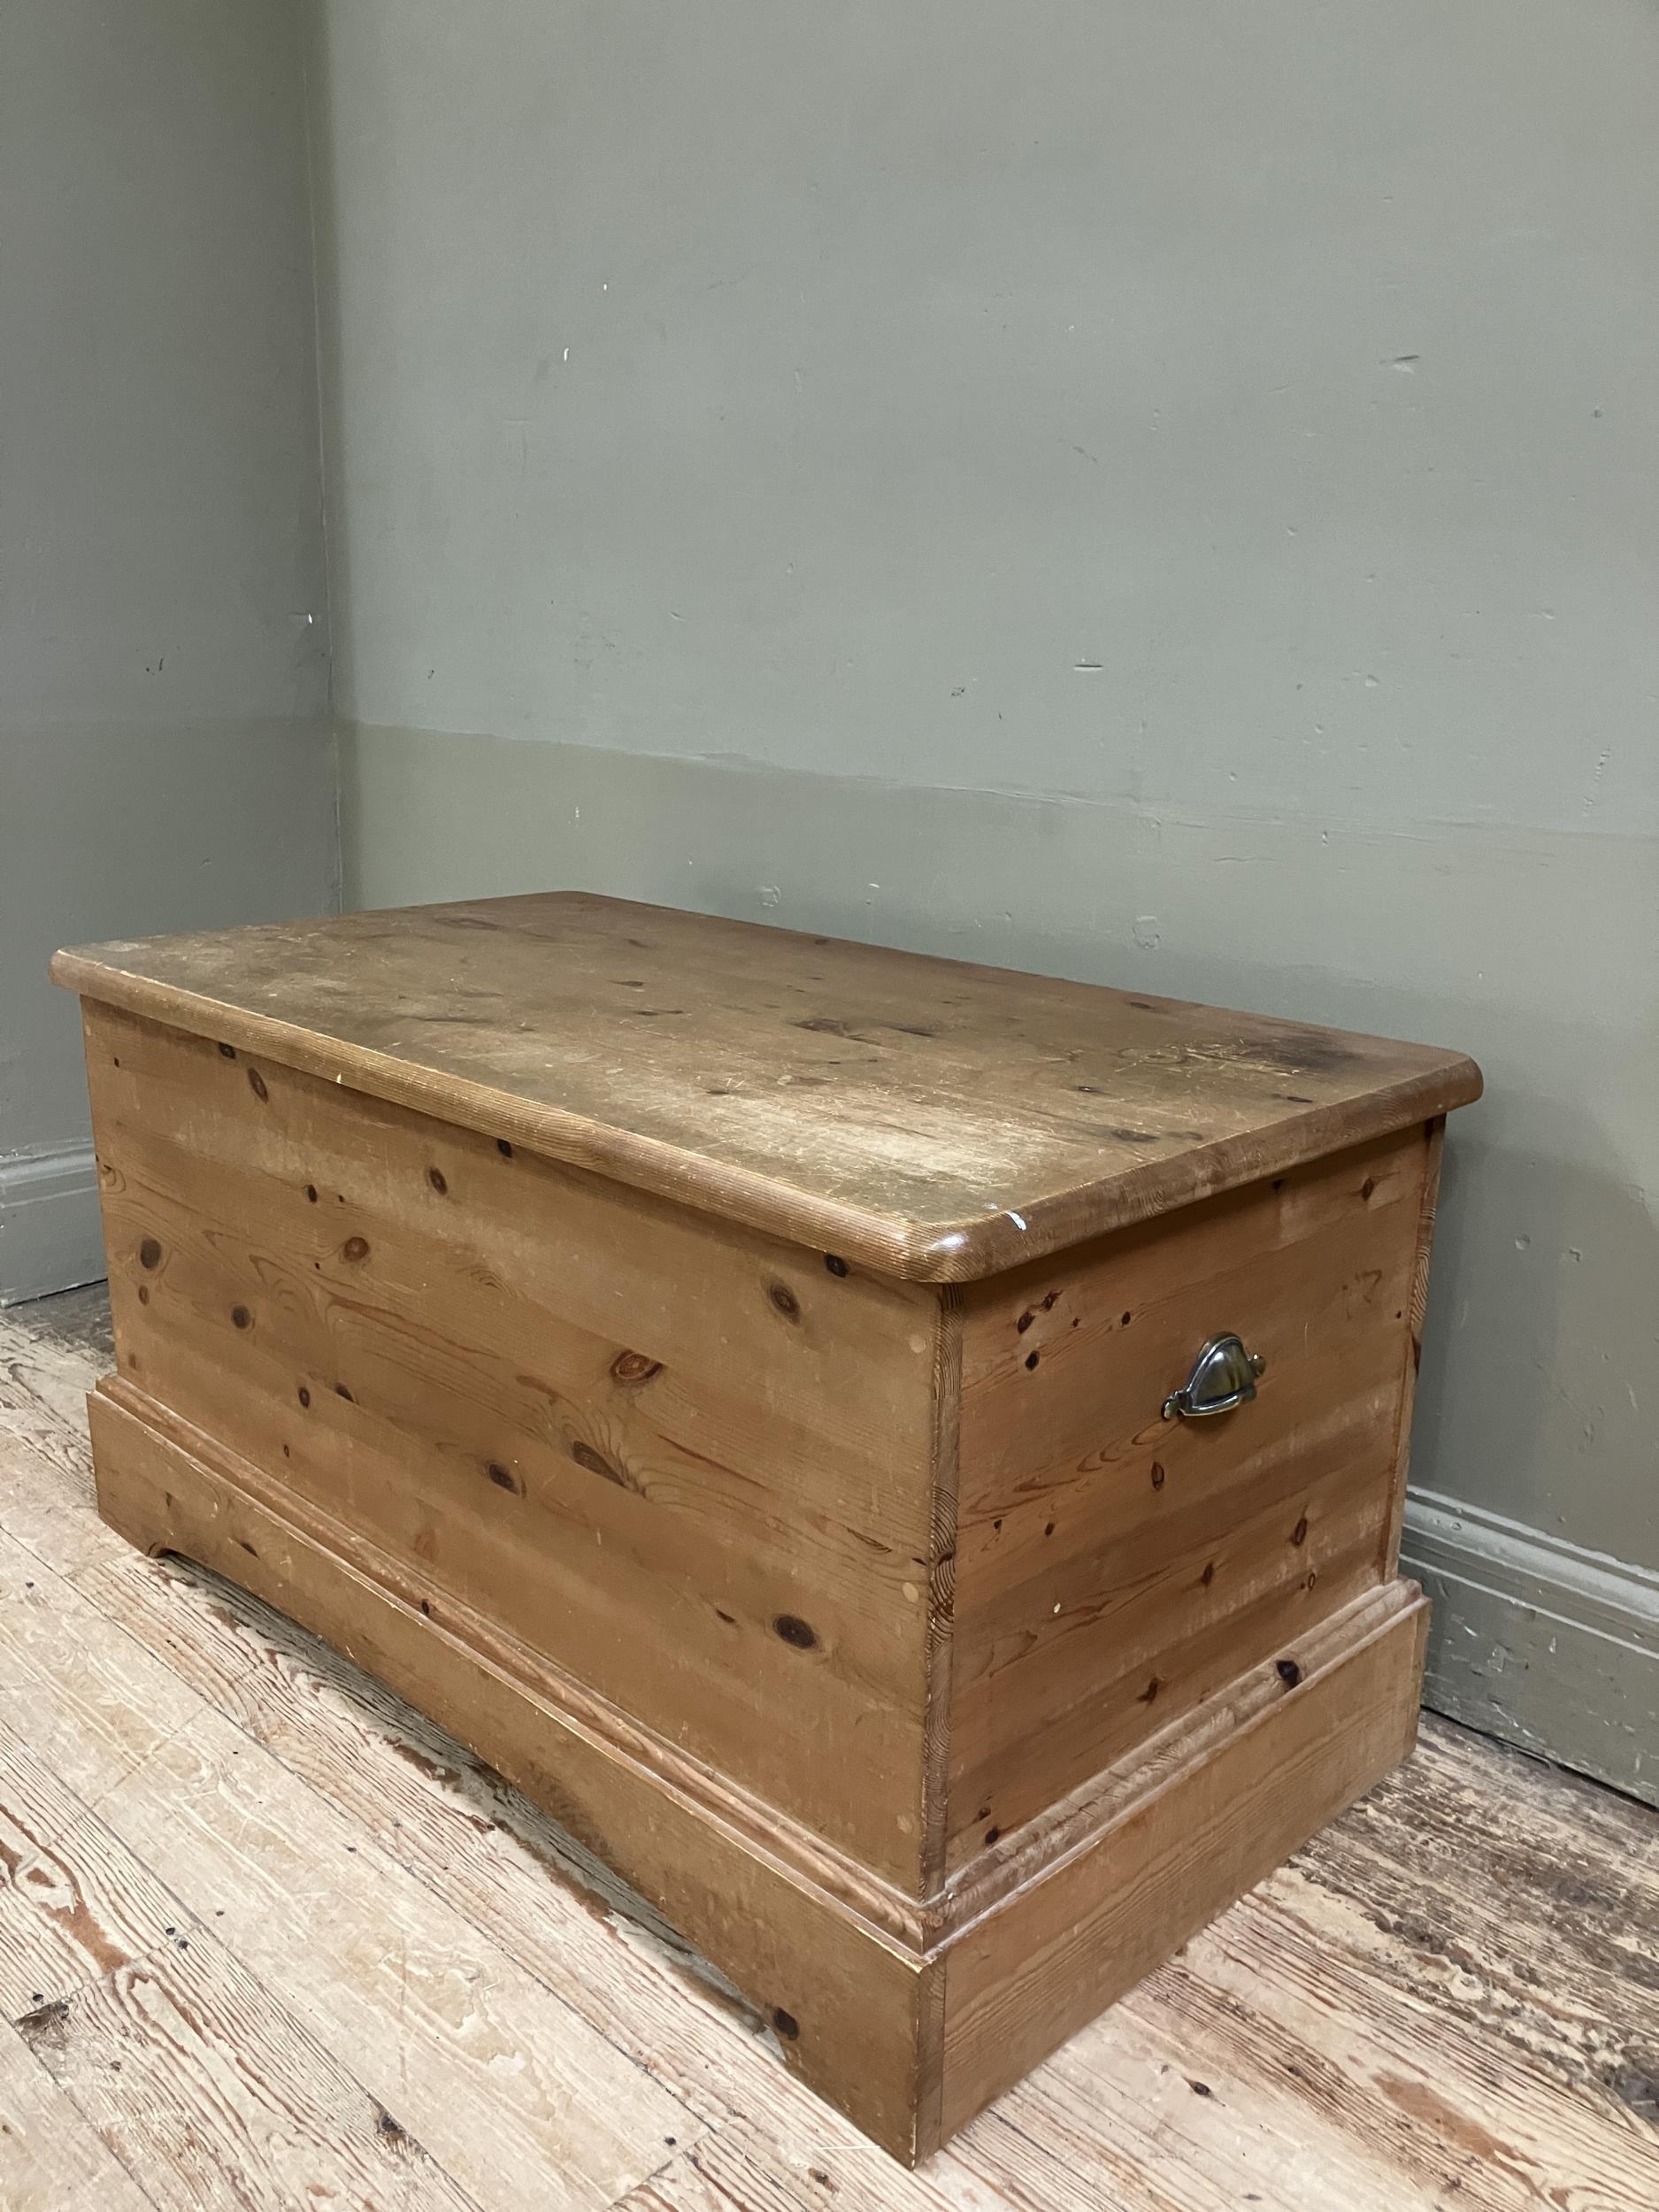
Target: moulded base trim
column 907, row 2015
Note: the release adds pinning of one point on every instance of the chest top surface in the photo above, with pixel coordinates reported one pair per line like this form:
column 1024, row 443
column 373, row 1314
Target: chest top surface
column 935, row 1119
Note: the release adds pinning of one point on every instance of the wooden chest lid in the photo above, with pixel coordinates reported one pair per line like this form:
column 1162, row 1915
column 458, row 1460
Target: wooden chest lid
column 929, row 1119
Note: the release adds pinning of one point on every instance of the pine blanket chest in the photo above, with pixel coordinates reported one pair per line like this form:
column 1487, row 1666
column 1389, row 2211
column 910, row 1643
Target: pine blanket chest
column 904, row 1459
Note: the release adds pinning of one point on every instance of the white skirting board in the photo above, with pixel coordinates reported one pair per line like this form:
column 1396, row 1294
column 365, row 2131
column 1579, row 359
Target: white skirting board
column 1551, row 1647
column 50, row 1237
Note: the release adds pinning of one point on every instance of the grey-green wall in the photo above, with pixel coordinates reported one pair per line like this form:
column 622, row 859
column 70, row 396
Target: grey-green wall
column 1161, row 493
column 165, row 759
column 1157, row 494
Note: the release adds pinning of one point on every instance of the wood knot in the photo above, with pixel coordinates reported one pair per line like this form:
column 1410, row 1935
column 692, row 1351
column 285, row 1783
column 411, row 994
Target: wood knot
column 1157, row 1474
column 786, row 2023
column 504, row 1147
column 227, row 1052
column 255, row 1084
column 241, row 1318
column 435, row 1176
column 46, row 2022
column 149, row 1253
column 502, row 1478
column 784, row 1300
column 1288, row 1672
column 836, row 1263
column 794, row 1631
column 305, row 1396
column 354, row 1249
column 635, row 1367
column 585, row 1456
column 1299, row 1534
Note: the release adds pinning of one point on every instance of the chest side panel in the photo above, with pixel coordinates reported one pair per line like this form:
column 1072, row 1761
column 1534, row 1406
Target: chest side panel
column 1114, row 1568
column 686, row 1462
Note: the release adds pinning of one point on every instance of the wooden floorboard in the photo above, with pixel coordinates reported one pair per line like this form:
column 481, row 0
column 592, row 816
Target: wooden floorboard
column 268, row 1937
column 52, row 2158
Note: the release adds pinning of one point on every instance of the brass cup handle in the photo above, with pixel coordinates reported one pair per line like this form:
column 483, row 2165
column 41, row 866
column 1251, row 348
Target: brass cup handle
column 1224, row 1376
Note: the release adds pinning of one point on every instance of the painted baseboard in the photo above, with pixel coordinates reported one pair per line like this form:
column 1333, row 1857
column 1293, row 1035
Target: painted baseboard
column 51, row 1236
column 1551, row 1647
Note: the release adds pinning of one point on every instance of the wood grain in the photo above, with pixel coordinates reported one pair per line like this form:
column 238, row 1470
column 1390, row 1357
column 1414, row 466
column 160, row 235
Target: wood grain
column 168, row 1487
column 1112, row 1567
column 935, row 1119
column 1224, row 2081
column 42, row 1509
column 42, row 1390
column 73, row 1906
column 515, row 2095
column 848, row 1612
column 211, row 2096
column 1520, row 1903
column 1447, row 2000
column 869, row 2028
column 693, row 1464
column 477, row 2060
column 196, row 2080
column 840, row 1990
column 1020, row 1981
column 740, row 2169
column 51, row 2157
column 1411, row 1359
column 1505, row 2137
column 524, row 1425
column 548, row 1902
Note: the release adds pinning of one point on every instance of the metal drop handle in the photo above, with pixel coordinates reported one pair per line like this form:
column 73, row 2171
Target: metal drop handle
column 1224, row 1376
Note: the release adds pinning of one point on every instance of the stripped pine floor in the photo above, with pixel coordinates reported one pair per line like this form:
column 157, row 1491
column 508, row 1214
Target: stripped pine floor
column 268, row 1939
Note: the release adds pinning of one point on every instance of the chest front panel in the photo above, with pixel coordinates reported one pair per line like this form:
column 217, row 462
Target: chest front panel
column 686, row 1462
